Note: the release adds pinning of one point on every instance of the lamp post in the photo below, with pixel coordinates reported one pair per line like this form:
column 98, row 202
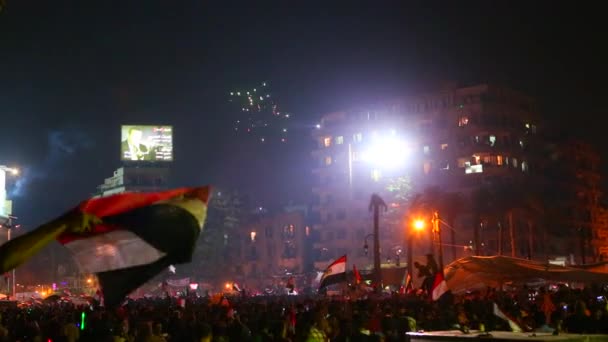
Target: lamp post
column 437, row 231
column 417, row 225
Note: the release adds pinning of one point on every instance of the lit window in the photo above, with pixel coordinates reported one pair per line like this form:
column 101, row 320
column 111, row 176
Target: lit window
column 327, row 141
column 426, row 167
column 376, row 175
column 487, row 159
column 327, row 160
column 444, row 147
column 468, row 169
column 527, row 125
column 462, row 161
column 524, row 166
column 289, row 231
column 521, row 143
column 477, row 159
column 358, row 137
column 253, row 236
column 492, row 140
column 514, row 162
column 463, row 121
column 499, row 160
column 339, row 140
column 426, row 149
column 307, row 231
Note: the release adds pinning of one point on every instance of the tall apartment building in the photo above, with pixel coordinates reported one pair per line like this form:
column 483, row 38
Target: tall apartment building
column 456, row 138
column 573, row 169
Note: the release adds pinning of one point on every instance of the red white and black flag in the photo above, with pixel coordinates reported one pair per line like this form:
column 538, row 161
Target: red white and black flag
column 335, row 273
column 126, row 239
column 440, row 287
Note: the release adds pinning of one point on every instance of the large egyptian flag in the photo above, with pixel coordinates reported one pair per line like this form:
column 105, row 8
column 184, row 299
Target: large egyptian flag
column 125, row 239
column 334, row 273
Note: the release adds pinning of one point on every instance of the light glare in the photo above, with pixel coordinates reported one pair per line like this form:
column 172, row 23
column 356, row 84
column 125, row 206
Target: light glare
column 386, row 152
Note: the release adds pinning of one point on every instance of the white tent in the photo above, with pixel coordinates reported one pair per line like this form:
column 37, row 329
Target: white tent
column 480, row 272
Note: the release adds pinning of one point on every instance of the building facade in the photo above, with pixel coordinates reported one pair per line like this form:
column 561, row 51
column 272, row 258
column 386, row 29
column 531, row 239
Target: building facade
column 136, row 179
column 459, row 139
column 272, row 248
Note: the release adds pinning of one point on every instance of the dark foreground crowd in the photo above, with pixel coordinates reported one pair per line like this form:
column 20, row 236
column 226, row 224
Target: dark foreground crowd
column 294, row 318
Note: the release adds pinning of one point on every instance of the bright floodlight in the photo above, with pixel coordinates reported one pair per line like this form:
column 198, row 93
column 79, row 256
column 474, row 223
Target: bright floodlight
column 386, row 152
column 15, row 171
column 419, row 224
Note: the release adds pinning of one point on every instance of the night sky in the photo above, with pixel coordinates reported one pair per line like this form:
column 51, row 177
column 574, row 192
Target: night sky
column 72, row 71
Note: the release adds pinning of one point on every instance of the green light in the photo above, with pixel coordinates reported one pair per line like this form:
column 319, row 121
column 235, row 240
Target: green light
column 82, row 317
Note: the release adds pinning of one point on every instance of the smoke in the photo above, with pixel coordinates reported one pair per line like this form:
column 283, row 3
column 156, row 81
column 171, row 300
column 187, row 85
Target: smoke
column 62, row 145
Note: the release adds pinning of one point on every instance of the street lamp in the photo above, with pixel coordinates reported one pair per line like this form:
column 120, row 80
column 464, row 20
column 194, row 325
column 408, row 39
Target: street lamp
column 416, row 226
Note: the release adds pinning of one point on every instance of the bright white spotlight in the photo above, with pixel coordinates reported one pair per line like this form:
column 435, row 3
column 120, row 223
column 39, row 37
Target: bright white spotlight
column 387, row 152
column 15, row 171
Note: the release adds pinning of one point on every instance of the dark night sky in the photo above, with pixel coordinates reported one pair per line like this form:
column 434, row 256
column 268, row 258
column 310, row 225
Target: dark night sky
column 71, row 73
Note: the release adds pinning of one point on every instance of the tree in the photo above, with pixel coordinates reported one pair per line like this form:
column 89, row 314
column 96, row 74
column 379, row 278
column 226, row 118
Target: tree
column 224, row 215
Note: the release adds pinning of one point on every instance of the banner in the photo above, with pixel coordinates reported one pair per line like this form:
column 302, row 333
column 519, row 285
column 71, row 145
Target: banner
column 179, row 282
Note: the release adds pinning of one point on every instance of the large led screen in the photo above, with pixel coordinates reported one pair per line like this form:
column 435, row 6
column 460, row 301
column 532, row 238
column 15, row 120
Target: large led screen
column 146, row 143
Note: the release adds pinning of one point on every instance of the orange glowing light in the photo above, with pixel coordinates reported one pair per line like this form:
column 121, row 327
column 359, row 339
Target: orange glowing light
column 419, row 224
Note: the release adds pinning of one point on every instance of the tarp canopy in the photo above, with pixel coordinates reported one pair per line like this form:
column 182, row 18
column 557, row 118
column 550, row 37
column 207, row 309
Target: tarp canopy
column 479, row 272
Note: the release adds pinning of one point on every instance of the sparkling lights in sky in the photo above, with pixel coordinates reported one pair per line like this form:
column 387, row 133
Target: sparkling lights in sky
column 258, row 114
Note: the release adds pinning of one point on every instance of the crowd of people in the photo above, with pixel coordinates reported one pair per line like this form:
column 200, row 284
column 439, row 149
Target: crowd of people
column 298, row 318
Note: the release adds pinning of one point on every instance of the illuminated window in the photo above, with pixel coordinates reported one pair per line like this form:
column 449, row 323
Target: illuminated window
column 444, row 147
column 477, row 159
column 376, row 175
column 492, row 140
column 253, row 236
column 462, row 161
column 468, row 169
column 499, row 160
column 521, row 143
column 339, row 140
column 514, row 162
column 487, row 159
column 327, row 160
column 426, row 149
column 426, row 167
column 307, row 231
column 357, row 137
column 463, row 121
column 327, row 141
column 289, row 231
column 524, row 166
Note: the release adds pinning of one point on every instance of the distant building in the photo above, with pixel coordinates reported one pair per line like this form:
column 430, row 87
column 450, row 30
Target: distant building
column 272, row 249
column 134, row 179
column 459, row 139
column 573, row 179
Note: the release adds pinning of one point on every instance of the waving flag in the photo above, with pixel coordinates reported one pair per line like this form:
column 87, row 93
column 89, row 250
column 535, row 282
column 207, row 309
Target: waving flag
column 440, row 287
column 358, row 278
column 126, row 239
column 335, row 273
